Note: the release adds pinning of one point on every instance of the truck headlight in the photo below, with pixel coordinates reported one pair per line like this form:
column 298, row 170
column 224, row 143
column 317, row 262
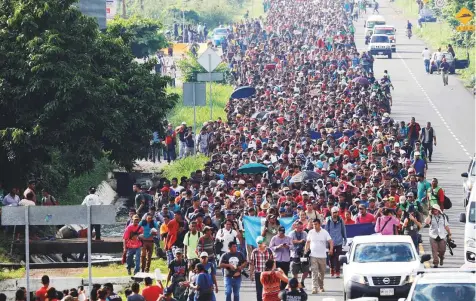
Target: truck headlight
column 409, row 279
column 359, row 279
column 470, row 243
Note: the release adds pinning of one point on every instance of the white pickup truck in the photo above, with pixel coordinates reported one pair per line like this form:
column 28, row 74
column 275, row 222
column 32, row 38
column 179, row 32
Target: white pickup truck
column 380, row 266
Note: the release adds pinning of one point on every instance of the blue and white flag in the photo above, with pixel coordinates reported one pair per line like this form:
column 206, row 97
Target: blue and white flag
column 254, row 226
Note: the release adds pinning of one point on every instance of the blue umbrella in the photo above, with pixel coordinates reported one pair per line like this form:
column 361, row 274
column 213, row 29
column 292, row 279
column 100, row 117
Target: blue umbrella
column 243, row 92
column 252, row 168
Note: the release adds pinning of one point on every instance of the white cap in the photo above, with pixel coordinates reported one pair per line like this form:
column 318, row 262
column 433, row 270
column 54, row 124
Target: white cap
column 334, row 209
column 203, row 254
column 184, row 123
column 305, row 193
column 416, row 153
column 396, row 144
column 241, row 182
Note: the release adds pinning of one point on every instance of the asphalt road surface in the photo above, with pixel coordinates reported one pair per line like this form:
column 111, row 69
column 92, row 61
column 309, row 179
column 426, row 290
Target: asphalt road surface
column 450, row 109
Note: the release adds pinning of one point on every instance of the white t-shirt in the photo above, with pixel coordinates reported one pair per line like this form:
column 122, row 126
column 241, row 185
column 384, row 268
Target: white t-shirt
column 26, row 202
column 227, row 237
column 426, row 54
column 318, row 242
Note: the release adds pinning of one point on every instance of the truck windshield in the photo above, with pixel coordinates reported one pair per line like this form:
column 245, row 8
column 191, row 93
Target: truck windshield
column 387, row 31
column 444, row 291
column 383, row 252
column 379, row 39
column 371, row 24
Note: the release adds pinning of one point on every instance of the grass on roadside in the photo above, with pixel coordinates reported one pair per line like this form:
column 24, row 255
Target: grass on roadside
column 12, row 274
column 220, row 95
column 184, row 167
column 438, row 35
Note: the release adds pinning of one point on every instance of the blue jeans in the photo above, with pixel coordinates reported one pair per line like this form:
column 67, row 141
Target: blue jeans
column 232, row 284
column 130, row 259
column 427, row 66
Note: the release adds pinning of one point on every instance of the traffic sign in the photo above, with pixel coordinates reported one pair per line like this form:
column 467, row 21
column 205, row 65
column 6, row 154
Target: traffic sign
column 440, row 3
column 465, row 28
column 209, row 60
column 464, row 15
column 193, row 98
column 205, row 77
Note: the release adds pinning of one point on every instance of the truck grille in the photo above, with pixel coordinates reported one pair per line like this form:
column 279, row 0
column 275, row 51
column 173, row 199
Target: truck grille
column 391, row 280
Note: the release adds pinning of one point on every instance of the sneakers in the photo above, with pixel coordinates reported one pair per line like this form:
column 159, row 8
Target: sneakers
column 314, row 291
column 435, row 266
column 338, row 275
column 441, row 261
column 321, row 290
column 332, row 272
column 129, row 272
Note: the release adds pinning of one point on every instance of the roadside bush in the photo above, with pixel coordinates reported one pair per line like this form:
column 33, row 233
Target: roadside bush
column 185, row 167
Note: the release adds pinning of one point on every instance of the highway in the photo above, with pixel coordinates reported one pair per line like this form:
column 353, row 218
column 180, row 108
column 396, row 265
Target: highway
column 450, row 109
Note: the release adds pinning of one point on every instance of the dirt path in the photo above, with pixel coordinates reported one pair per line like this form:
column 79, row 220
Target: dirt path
column 74, row 272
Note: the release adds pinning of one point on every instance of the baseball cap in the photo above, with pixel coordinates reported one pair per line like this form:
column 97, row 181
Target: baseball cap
column 259, row 240
column 293, row 282
column 334, row 209
column 203, row 254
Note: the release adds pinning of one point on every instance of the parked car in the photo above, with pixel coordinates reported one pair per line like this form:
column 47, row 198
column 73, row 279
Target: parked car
column 426, row 15
column 218, row 35
column 441, row 284
column 437, row 56
column 469, row 179
column 380, row 266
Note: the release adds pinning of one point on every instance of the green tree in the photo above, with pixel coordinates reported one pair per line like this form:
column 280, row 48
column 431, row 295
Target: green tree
column 145, row 35
column 70, row 94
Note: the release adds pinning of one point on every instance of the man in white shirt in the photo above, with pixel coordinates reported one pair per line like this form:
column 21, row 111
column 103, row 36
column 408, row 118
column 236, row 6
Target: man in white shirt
column 92, row 199
column 317, row 240
column 226, row 235
column 28, row 201
column 426, row 59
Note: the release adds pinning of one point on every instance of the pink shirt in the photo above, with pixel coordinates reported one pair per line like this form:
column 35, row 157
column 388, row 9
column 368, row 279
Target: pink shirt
column 386, row 224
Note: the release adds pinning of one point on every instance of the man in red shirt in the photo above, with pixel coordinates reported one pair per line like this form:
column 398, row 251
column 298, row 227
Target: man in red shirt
column 152, row 292
column 364, row 217
column 41, row 293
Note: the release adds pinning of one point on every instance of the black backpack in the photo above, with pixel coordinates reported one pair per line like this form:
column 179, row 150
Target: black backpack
column 446, row 202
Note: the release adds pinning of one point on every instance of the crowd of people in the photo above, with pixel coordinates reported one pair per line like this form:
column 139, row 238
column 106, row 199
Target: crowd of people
column 318, row 108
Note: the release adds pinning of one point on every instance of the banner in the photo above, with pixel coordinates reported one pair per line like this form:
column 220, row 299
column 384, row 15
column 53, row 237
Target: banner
column 254, row 226
column 359, row 229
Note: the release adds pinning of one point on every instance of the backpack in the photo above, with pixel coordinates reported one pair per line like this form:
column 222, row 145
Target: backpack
column 188, row 237
column 447, row 204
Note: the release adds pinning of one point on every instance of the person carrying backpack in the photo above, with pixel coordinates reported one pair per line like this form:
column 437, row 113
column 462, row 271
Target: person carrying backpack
column 435, row 194
column 336, row 228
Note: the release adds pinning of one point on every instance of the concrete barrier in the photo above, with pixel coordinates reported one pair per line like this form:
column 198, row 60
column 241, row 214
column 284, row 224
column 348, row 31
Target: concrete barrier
column 10, row 286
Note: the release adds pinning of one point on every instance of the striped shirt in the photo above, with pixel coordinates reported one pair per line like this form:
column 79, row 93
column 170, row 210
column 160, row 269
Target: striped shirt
column 259, row 258
column 206, row 244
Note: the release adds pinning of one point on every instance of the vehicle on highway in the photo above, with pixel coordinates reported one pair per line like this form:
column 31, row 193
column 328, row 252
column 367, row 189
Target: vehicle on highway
column 219, row 34
column 380, row 45
column 437, row 56
column 469, row 219
column 468, row 182
column 380, row 266
column 371, row 22
column 447, row 285
column 426, row 15
column 390, row 31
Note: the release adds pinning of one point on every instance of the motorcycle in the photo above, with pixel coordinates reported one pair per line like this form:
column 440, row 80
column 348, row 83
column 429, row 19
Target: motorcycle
column 409, row 33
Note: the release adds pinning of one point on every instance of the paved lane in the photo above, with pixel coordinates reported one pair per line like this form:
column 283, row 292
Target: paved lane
column 451, row 110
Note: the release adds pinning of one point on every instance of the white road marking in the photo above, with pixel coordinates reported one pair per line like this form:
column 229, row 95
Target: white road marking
column 433, row 106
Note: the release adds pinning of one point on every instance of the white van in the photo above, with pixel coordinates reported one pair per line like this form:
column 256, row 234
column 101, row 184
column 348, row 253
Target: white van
column 372, row 21
column 469, row 218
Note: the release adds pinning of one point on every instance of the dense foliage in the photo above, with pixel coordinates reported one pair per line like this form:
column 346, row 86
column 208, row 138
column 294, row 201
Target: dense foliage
column 452, row 7
column 145, row 34
column 189, row 66
column 70, row 94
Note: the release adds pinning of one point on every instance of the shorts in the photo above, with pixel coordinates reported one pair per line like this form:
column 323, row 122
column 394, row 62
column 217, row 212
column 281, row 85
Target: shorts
column 299, row 267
